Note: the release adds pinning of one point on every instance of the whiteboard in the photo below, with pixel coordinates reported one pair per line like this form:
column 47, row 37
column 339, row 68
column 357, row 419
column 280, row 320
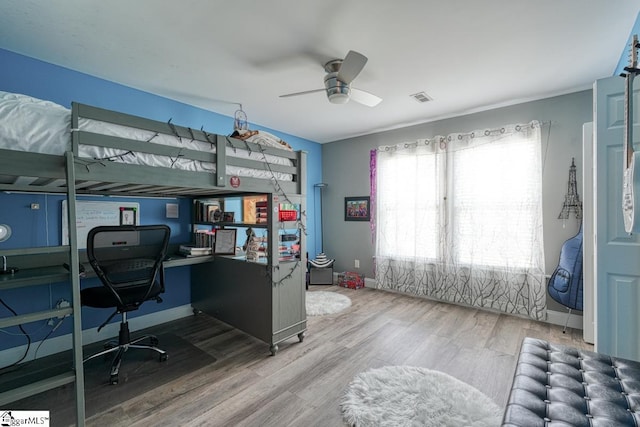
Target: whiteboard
column 91, row 214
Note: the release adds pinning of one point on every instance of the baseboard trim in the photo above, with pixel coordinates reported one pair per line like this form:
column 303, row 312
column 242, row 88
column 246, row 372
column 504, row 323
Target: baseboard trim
column 553, row 317
column 89, row 336
column 559, row 318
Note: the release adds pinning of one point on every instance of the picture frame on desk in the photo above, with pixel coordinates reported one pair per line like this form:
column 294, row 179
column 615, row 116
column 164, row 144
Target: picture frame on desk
column 228, row 216
column 225, row 243
column 214, row 212
column 357, row 208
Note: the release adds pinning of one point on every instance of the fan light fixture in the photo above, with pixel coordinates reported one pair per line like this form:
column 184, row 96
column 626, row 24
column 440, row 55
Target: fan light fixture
column 337, row 82
column 338, row 98
column 338, row 91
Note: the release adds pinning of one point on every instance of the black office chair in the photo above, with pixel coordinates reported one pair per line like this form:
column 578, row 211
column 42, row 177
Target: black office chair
column 128, row 261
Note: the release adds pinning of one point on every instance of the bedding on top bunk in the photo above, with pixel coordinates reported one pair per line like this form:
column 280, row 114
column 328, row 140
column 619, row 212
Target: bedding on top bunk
column 34, row 125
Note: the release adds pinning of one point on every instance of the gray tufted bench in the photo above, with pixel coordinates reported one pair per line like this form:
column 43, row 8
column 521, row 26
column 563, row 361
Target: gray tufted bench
column 556, row 385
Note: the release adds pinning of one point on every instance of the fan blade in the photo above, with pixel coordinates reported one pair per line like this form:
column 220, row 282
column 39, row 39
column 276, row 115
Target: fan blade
column 302, row 93
column 365, row 98
column 351, row 66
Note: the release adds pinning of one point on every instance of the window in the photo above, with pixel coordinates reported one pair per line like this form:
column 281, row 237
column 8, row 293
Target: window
column 462, row 215
column 495, row 197
column 408, row 198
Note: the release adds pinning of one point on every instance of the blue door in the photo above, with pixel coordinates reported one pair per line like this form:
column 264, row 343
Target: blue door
column 617, row 254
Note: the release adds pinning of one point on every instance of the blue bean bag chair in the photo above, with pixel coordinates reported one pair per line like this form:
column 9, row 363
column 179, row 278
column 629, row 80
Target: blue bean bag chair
column 565, row 284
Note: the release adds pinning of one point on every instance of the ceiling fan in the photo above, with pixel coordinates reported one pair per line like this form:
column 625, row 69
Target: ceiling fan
column 337, row 82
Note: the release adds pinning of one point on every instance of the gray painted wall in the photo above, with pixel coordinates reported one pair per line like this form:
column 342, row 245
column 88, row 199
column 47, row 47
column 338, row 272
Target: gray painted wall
column 346, row 171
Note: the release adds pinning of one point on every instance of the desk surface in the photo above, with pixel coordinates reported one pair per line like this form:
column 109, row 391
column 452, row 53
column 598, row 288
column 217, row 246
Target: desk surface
column 180, row 260
column 52, row 274
column 57, row 273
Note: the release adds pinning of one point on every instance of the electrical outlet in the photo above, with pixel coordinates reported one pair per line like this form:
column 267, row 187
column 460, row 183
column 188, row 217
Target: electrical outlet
column 357, row 264
column 63, row 303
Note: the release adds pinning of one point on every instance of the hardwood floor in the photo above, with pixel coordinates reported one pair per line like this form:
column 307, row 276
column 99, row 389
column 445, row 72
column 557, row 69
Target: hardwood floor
column 303, row 383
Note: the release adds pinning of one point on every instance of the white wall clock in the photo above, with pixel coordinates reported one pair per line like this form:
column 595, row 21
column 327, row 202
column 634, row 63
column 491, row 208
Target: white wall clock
column 5, row 232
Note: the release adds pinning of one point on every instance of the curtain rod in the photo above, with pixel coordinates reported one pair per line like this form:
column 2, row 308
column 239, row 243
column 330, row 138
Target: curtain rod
column 460, row 135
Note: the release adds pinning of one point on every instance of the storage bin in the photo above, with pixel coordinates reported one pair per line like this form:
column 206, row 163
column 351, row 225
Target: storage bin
column 321, row 276
column 287, row 215
column 351, row 280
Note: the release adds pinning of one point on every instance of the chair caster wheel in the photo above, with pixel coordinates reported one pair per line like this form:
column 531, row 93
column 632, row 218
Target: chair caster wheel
column 163, row 357
column 113, row 380
column 153, row 341
column 273, row 349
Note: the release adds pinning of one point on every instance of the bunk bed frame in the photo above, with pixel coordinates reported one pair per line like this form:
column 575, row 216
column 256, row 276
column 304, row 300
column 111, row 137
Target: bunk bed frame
column 74, row 175
column 23, row 171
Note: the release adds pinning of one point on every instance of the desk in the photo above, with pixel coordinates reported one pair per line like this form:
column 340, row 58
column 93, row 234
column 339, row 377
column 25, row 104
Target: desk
column 29, row 275
column 268, row 304
column 57, row 273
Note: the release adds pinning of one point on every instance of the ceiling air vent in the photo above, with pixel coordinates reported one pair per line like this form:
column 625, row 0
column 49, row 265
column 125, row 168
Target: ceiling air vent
column 421, row 97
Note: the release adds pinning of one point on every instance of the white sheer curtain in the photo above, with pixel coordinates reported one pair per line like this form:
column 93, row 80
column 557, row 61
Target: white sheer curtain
column 459, row 218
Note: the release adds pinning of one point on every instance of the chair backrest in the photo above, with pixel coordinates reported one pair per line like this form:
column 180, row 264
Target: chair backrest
column 128, row 259
column 566, row 283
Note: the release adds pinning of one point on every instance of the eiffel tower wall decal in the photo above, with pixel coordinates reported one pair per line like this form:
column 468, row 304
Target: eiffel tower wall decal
column 572, row 201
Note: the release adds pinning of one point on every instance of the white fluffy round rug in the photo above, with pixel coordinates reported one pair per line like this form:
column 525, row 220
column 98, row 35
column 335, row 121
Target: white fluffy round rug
column 321, row 302
column 411, row 396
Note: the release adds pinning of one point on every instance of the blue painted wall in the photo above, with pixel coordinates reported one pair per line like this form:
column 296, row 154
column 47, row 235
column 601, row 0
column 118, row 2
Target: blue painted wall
column 43, row 80
column 43, row 227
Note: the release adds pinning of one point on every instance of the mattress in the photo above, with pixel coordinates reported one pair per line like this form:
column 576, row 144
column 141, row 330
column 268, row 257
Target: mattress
column 38, row 126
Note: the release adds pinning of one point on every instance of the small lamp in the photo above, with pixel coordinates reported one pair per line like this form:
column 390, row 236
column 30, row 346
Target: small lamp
column 321, row 186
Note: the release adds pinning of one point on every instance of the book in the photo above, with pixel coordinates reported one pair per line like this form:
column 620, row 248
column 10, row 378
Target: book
column 194, row 250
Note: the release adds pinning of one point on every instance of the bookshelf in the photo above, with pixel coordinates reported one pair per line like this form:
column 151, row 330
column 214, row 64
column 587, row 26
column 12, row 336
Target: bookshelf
column 259, row 289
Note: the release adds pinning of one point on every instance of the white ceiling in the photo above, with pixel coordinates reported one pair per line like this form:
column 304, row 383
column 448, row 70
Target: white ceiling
column 468, row 55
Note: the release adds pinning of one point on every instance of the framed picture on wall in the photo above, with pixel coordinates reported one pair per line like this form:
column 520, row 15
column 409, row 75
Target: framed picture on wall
column 127, row 216
column 357, row 208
